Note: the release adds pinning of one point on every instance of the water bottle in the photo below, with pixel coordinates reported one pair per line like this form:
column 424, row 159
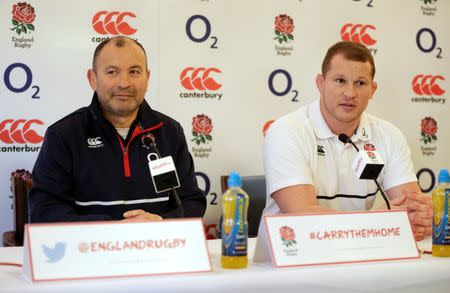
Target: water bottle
column 441, row 223
column 234, row 228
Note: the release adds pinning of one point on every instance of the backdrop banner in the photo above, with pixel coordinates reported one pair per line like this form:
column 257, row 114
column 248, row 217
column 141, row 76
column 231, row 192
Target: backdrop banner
column 225, row 69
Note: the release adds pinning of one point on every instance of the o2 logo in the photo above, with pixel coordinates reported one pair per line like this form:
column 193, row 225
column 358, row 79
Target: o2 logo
column 428, row 48
column 281, row 93
column 207, row 187
column 20, row 88
column 423, row 172
column 206, row 35
column 369, row 3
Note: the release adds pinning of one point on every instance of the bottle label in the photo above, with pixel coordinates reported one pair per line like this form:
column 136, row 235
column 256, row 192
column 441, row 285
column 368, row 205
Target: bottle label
column 234, row 243
column 441, row 224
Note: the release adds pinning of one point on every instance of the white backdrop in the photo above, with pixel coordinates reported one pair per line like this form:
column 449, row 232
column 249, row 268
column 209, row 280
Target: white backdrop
column 236, row 40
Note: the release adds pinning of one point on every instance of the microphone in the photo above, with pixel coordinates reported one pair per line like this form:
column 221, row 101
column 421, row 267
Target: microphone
column 151, row 145
column 167, row 178
column 366, row 165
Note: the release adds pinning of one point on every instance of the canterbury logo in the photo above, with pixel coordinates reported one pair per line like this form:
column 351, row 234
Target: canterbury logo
column 198, row 78
column 105, row 22
column 426, row 85
column 358, row 33
column 19, row 131
column 94, row 142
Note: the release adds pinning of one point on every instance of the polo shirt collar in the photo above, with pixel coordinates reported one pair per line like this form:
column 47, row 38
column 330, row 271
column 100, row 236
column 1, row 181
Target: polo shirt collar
column 363, row 131
column 318, row 123
column 322, row 130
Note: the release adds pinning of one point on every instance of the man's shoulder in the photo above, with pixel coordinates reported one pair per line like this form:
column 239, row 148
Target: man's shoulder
column 297, row 120
column 166, row 120
column 381, row 125
column 70, row 121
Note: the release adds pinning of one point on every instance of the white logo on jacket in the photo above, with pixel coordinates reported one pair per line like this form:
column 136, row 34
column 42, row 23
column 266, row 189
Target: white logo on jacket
column 94, row 142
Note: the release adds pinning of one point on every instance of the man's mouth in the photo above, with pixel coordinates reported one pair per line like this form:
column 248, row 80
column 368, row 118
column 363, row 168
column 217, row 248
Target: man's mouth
column 123, row 96
column 347, row 106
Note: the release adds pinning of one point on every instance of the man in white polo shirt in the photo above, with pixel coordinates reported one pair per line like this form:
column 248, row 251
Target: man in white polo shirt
column 308, row 169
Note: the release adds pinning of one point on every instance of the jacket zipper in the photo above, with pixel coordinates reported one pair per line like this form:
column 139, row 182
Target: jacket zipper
column 136, row 132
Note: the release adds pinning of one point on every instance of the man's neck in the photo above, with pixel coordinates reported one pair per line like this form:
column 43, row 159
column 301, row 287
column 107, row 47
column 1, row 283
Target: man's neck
column 121, row 122
column 349, row 129
column 338, row 127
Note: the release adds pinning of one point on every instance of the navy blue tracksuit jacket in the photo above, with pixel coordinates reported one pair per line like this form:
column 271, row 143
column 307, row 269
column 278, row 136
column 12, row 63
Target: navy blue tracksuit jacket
column 86, row 171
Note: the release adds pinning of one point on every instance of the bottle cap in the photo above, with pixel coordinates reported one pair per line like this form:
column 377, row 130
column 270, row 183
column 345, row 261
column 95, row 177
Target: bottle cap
column 444, row 177
column 234, row 180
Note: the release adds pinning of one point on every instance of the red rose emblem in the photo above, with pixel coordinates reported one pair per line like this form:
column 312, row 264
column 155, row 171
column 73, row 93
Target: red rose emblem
column 429, row 126
column 201, row 124
column 201, row 128
column 287, row 233
column 371, row 155
column 23, row 12
column 428, row 130
column 284, row 24
column 287, row 236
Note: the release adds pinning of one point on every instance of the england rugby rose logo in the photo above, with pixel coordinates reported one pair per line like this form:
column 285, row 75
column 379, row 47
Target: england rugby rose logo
column 201, row 129
column 287, row 235
column 23, row 15
column 428, row 130
column 284, row 27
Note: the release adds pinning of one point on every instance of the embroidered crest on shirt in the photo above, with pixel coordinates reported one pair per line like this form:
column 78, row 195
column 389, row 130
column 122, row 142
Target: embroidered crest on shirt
column 369, row 147
column 320, row 150
column 152, row 140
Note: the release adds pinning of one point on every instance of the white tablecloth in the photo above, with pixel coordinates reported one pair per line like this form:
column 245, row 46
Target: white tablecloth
column 427, row 274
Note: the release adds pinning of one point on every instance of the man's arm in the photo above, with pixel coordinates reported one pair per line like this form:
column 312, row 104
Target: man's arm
column 299, row 198
column 418, row 205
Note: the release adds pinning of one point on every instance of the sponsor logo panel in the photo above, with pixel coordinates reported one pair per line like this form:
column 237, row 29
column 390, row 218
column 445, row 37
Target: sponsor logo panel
column 23, row 17
column 360, row 33
column 284, row 34
column 428, row 89
column 201, row 135
column 201, row 83
column 19, row 135
column 428, row 132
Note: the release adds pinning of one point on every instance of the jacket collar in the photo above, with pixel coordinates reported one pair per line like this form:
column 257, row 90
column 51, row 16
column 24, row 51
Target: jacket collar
column 146, row 118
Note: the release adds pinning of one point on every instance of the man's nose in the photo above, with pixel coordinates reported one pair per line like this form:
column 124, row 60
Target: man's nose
column 350, row 90
column 124, row 80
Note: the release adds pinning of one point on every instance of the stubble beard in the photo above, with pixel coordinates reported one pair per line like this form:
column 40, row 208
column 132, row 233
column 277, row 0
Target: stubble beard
column 121, row 108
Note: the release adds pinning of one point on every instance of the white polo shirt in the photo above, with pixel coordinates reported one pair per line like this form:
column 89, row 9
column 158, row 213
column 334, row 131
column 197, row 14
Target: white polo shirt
column 300, row 148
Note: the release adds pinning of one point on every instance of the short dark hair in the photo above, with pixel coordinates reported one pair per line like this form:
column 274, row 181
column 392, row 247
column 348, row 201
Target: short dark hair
column 351, row 51
column 119, row 41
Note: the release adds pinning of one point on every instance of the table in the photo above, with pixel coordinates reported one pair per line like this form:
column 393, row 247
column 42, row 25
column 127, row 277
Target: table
column 427, row 274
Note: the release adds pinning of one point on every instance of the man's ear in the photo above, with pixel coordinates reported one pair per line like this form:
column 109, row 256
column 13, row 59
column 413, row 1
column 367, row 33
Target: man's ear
column 92, row 79
column 374, row 88
column 320, row 79
column 148, row 79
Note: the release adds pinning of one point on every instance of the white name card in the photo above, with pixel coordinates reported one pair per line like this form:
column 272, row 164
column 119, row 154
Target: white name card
column 87, row 250
column 315, row 239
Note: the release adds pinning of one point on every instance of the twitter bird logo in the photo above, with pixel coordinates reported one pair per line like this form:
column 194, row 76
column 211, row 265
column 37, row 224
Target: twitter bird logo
column 56, row 253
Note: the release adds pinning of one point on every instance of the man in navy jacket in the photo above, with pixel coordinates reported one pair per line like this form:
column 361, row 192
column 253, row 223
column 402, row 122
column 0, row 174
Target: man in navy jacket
column 93, row 163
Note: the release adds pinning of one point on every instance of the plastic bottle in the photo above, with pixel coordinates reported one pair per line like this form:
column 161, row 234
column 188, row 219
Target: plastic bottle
column 441, row 221
column 234, row 229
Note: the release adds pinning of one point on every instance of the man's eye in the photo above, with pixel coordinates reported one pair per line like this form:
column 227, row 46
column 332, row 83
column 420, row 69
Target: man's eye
column 134, row 72
column 361, row 83
column 340, row 80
